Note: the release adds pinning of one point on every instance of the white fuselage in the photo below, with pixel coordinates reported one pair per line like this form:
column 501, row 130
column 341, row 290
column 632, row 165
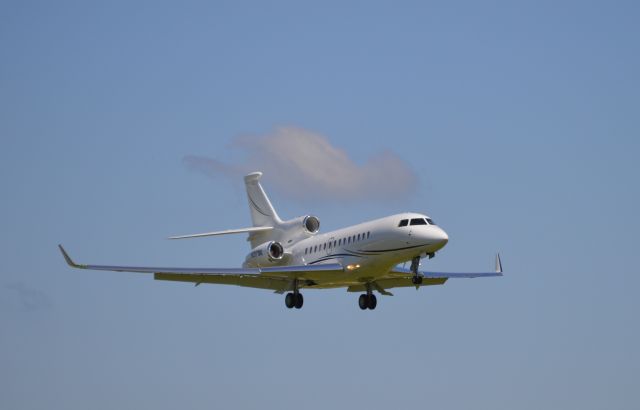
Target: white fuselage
column 368, row 249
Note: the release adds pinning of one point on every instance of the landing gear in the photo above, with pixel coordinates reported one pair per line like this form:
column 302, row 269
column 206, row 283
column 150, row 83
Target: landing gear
column 363, row 301
column 294, row 300
column 367, row 301
column 415, row 264
column 290, row 300
column 373, row 302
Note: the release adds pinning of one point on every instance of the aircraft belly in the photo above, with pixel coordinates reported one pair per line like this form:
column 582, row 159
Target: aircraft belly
column 363, row 270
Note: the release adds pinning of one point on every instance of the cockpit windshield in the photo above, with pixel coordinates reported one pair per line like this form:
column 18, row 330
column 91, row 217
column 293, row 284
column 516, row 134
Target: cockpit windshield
column 418, row 221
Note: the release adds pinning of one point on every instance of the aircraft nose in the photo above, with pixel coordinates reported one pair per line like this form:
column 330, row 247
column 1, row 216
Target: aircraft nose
column 441, row 237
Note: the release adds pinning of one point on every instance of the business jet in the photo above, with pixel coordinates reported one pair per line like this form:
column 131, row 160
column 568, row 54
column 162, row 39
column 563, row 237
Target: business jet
column 289, row 256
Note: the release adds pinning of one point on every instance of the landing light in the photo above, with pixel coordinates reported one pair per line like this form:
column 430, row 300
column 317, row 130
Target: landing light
column 352, row 267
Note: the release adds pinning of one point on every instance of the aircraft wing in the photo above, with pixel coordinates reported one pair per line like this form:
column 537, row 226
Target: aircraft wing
column 278, row 278
column 448, row 275
column 401, row 277
column 451, row 275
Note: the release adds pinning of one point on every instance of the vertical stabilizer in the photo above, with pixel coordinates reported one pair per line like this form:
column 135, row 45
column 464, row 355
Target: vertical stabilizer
column 262, row 212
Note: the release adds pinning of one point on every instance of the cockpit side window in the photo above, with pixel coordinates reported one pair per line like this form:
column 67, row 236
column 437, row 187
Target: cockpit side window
column 404, row 222
column 418, row 221
column 430, row 221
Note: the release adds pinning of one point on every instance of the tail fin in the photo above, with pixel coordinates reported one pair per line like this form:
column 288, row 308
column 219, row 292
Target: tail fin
column 262, row 212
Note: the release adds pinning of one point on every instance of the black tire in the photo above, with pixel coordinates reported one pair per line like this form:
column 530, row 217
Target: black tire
column 290, row 300
column 299, row 300
column 363, row 302
column 416, row 280
column 373, row 301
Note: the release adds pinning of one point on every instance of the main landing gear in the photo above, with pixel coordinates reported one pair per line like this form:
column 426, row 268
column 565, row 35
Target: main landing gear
column 415, row 264
column 368, row 300
column 294, row 300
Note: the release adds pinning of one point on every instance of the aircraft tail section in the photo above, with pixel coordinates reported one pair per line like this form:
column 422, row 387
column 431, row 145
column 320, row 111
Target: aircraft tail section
column 266, row 221
column 262, row 212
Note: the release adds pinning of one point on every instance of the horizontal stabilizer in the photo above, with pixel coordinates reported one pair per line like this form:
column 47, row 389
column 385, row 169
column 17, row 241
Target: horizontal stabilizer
column 254, row 229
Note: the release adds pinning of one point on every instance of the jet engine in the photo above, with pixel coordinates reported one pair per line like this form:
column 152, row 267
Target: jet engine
column 297, row 229
column 311, row 224
column 267, row 254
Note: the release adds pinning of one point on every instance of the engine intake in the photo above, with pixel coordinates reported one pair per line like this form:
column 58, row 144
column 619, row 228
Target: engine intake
column 311, row 224
column 268, row 254
column 275, row 251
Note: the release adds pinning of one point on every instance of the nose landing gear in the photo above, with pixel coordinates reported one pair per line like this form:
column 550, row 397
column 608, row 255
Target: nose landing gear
column 417, row 278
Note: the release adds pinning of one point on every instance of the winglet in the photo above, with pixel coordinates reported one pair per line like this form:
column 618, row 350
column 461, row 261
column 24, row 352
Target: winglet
column 498, row 263
column 68, row 259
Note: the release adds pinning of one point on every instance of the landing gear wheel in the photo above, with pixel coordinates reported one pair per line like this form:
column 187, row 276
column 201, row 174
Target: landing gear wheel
column 367, row 301
column 290, row 300
column 363, row 301
column 372, row 302
column 299, row 300
column 416, row 280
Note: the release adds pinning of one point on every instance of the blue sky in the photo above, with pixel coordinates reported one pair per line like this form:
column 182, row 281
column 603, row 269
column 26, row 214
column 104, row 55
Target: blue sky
column 519, row 119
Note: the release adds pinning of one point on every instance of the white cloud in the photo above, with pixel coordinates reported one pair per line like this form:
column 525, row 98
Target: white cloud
column 304, row 165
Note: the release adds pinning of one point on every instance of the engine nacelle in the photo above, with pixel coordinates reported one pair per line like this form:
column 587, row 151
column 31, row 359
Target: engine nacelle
column 311, row 224
column 267, row 254
column 297, row 229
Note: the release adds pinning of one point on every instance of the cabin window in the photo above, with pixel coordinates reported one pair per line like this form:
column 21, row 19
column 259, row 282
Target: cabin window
column 305, row 250
column 315, row 248
column 368, row 233
column 325, row 246
column 349, row 240
column 358, row 236
column 329, row 245
column 354, row 238
column 418, row 221
column 334, row 243
column 404, row 222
